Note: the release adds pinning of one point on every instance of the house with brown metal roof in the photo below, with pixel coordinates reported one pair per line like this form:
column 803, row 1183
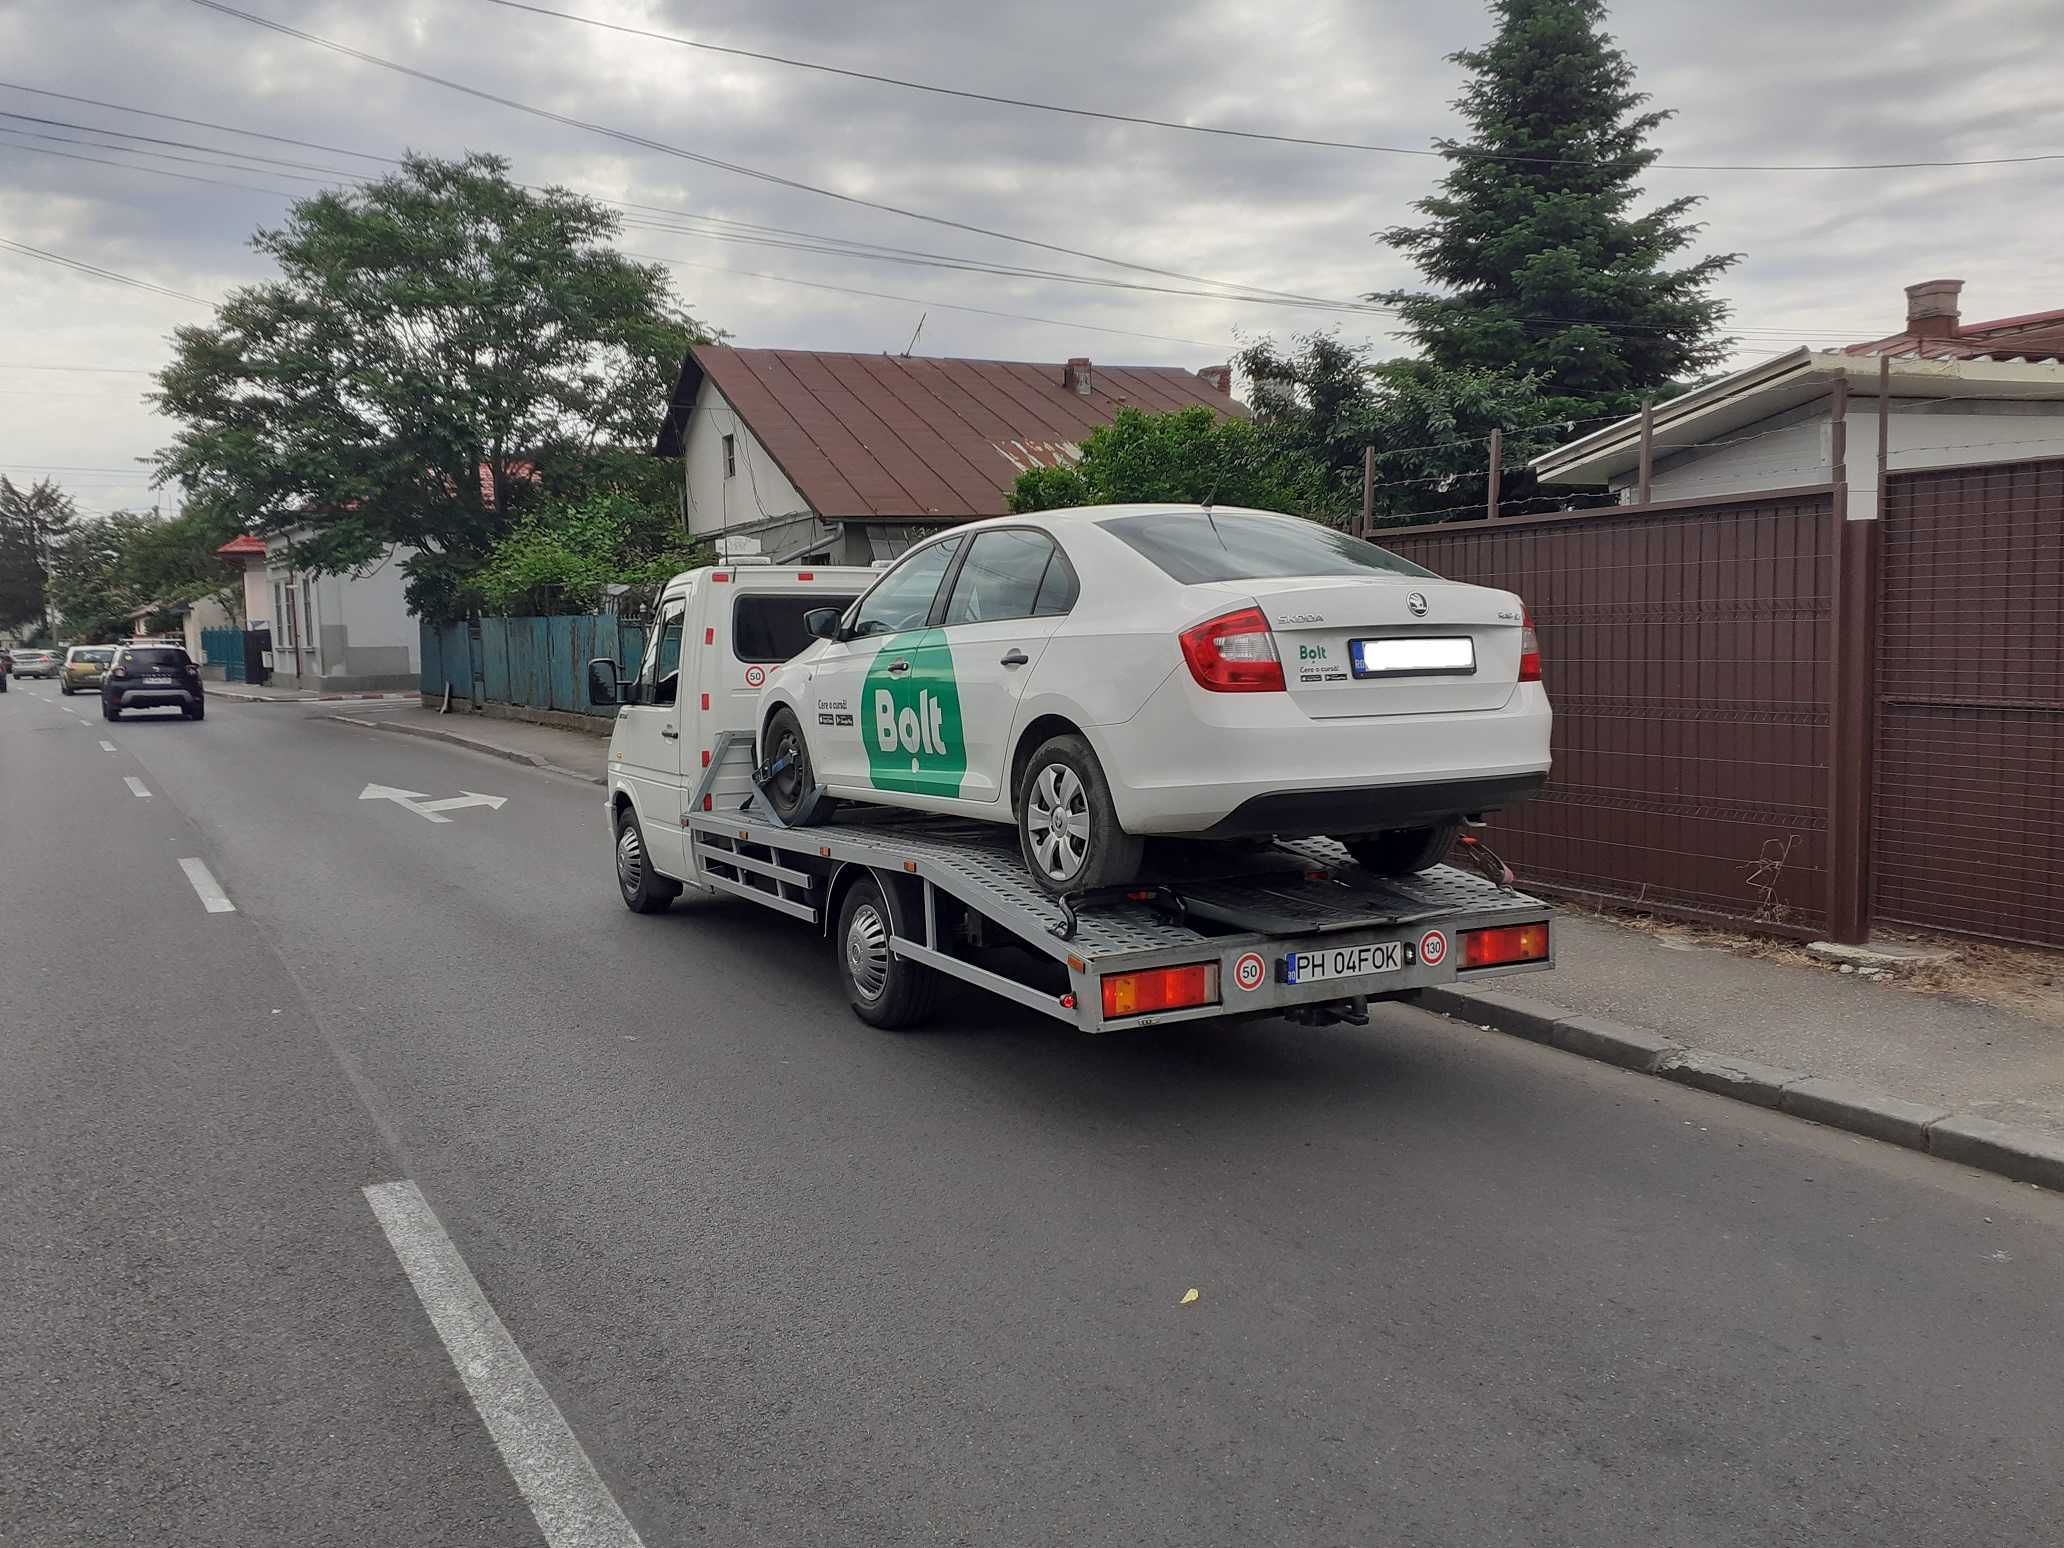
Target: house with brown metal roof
column 1954, row 393
column 845, row 458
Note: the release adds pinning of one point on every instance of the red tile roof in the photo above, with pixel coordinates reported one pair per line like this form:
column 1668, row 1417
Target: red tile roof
column 909, row 436
column 2031, row 336
column 239, row 547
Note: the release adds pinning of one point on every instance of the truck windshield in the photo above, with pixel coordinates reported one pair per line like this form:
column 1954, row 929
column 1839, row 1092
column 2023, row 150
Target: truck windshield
column 1239, row 545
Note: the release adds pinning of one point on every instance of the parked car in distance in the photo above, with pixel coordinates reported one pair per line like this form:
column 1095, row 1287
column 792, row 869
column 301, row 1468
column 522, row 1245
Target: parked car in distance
column 36, row 663
column 85, row 666
column 1102, row 675
column 152, row 677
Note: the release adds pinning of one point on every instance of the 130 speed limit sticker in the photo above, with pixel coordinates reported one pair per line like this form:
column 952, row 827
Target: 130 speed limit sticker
column 1433, row 948
column 1249, row 971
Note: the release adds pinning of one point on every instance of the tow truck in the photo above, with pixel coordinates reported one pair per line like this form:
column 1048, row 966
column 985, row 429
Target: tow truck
column 1212, row 930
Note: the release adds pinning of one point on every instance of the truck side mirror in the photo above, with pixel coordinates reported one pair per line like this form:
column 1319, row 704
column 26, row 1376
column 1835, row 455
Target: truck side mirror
column 822, row 622
column 606, row 683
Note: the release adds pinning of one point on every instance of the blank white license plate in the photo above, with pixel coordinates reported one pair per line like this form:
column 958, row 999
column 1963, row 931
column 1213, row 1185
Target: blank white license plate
column 1311, row 967
column 157, row 682
column 1412, row 656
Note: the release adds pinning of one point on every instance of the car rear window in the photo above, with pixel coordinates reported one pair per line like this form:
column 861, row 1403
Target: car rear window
column 103, row 656
column 156, row 659
column 1193, row 548
column 769, row 628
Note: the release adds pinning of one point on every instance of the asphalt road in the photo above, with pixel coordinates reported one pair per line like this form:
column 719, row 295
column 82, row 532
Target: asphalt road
column 793, row 1281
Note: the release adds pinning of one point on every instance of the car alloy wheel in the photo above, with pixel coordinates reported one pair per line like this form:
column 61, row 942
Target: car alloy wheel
column 1058, row 815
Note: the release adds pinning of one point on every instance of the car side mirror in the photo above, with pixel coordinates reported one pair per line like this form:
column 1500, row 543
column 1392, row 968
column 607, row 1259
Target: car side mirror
column 822, row 622
column 607, row 684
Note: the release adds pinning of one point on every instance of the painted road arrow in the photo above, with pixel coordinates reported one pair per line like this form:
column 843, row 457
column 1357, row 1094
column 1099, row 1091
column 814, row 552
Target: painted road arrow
column 427, row 809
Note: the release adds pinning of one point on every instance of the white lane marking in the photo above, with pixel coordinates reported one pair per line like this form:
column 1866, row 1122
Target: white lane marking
column 107, row 746
column 424, row 807
column 210, row 890
column 573, row 1507
column 135, row 786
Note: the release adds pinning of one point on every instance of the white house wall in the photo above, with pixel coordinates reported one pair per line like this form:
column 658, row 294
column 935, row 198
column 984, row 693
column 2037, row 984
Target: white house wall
column 759, row 492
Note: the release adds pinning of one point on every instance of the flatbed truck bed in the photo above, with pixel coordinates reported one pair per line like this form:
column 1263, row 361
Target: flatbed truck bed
column 1215, row 930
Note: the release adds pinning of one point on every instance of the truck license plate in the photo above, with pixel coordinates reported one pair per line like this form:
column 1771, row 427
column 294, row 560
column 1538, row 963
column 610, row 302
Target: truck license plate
column 1311, row 967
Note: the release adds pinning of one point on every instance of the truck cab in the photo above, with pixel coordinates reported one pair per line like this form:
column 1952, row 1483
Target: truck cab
column 716, row 634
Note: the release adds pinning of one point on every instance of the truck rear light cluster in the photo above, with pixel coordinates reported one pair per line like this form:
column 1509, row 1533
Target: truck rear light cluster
column 1160, row 989
column 1504, row 945
column 1529, row 650
column 1234, row 653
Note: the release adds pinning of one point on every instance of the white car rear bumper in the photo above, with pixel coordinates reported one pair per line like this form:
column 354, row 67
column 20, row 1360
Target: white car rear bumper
column 1231, row 764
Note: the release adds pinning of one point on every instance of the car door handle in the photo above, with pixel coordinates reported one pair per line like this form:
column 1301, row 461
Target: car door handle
column 670, row 733
column 1016, row 658
column 897, row 668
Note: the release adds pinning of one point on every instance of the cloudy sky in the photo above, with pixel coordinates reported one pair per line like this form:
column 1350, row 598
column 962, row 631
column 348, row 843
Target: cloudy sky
column 1753, row 81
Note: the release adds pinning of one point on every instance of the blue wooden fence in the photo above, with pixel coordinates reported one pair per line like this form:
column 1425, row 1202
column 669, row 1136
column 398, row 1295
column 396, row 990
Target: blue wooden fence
column 536, row 663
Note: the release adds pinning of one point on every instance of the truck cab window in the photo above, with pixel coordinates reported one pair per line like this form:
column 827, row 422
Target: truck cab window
column 662, row 675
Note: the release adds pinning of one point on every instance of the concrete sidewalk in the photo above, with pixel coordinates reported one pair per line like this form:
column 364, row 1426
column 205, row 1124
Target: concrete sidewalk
column 249, row 693
column 1954, row 1076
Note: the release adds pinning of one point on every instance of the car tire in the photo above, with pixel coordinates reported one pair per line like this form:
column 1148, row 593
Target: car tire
column 1403, row 851
column 108, row 711
column 789, row 792
column 196, row 712
column 643, row 889
column 1087, row 849
column 65, row 689
column 884, row 989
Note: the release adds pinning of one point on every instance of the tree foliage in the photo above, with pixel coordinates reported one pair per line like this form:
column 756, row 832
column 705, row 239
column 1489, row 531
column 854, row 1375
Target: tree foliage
column 1191, row 456
column 563, row 558
column 438, row 347
column 33, row 524
column 1544, row 267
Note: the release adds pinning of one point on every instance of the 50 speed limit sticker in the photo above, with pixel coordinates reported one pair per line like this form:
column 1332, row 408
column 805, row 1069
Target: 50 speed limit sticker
column 1433, row 948
column 755, row 676
column 1249, row 971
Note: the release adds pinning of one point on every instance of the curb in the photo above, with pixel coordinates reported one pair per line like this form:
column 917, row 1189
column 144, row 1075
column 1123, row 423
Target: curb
column 507, row 754
column 2021, row 1155
column 219, row 692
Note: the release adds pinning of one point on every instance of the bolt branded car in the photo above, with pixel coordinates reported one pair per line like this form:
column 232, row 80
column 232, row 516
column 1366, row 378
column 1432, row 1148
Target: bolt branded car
column 1103, row 675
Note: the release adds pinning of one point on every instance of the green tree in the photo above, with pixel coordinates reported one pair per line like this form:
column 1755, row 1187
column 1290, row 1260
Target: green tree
column 33, row 525
column 1544, row 267
column 562, row 558
column 1191, row 456
column 437, row 345
column 89, row 588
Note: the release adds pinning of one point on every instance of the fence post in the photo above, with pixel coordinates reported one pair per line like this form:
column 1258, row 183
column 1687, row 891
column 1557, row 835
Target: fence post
column 1857, row 538
column 1368, row 490
column 1497, row 471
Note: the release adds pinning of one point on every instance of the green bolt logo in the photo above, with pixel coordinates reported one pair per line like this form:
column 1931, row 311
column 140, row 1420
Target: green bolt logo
column 910, row 720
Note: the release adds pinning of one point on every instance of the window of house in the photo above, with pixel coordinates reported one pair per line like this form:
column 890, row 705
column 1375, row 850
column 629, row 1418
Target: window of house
column 730, row 456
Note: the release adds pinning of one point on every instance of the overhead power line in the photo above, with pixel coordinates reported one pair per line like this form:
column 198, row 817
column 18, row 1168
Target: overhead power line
column 1227, row 132
column 97, row 272
column 628, row 137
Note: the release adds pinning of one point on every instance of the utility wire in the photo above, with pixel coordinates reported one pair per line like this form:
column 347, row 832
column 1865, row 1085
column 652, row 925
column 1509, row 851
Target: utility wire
column 99, row 273
column 1442, row 149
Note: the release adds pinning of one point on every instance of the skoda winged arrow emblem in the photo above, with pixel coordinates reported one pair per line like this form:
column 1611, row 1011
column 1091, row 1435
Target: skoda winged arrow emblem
column 1416, row 604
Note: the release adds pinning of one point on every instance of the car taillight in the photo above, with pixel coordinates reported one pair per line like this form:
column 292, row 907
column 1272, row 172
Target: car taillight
column 1234, row 654
column 1504, row 945
column 1529, row 650
column 1160, row 989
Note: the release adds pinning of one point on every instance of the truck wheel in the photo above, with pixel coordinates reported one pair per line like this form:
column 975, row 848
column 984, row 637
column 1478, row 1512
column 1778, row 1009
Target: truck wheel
column 1067, row 825
column 884, row 990
column 1403, row 851
column 644, row 890
column 789, row 790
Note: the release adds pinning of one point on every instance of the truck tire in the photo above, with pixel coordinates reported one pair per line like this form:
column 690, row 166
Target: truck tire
column 643, row 889
column 1068, row 828
column 884, row 990
column 1403, row 851
column 789, row 791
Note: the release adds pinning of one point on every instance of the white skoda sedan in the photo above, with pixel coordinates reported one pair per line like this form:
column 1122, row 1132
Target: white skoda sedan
column 1103, row 675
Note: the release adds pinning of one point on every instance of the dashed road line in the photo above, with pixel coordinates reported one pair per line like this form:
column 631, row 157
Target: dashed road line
column 135, row 786
column 107, row 746
column 573, row 1506
column 207, row 887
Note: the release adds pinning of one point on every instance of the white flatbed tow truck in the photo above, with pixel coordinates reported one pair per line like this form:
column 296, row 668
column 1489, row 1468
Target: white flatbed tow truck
column 1216, row 930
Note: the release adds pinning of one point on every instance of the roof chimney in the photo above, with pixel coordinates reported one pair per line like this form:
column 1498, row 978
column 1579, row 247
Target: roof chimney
column 1218, row 378
column 1076, row 376
column 1931, row 308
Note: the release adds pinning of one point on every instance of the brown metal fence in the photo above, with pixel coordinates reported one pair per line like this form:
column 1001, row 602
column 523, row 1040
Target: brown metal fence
column 1967, row 819
column 1687, row 648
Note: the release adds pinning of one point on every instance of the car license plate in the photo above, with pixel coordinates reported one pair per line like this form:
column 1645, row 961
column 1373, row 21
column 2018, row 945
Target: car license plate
column 1311, row 967
column 157, row 682
column 1412, row 656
